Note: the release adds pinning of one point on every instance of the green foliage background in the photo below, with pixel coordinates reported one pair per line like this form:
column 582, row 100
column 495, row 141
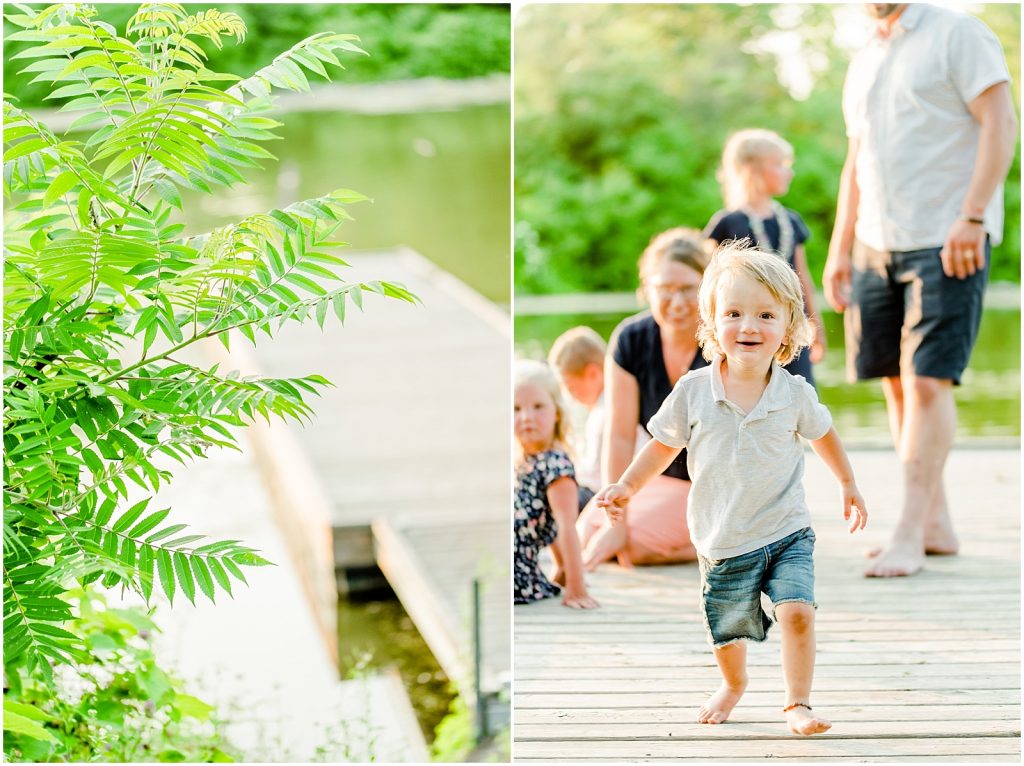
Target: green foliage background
column 451, row 40
column 621, row 113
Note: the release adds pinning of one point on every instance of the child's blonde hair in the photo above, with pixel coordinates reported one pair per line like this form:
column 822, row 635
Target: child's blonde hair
column 685, row 246
column 528, row 371
column 766, row 269
column 574, row 349
column 742, row 151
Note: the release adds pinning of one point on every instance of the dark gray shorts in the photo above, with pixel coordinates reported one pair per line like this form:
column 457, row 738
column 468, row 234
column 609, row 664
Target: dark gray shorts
column 907, row 317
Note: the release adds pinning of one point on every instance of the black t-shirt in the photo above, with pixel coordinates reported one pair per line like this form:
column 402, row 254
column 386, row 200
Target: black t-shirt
column 725, row 226
column 636, row 347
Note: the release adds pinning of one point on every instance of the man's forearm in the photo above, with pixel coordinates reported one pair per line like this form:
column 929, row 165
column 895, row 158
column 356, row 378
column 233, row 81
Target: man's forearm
column 997, row 139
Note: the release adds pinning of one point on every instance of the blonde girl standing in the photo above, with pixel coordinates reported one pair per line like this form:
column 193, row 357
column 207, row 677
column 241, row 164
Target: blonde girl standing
column 757, row 167
column 546, row 493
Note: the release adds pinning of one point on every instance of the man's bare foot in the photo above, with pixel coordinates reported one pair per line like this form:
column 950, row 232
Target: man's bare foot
column 938, row 541
column 720, row 704
column 898, row 560
column 802, row 721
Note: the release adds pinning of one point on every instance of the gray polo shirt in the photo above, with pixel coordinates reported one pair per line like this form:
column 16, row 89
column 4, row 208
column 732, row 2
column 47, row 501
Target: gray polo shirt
column 747, row 468
column 905, row 99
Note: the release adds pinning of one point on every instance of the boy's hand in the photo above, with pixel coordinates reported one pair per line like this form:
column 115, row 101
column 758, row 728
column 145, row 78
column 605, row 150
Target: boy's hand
column 853, row 505
column 613, row 499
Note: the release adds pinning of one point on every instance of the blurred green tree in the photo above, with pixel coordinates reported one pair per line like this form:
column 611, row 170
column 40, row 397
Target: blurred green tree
column 621, row 113
column 408, row 40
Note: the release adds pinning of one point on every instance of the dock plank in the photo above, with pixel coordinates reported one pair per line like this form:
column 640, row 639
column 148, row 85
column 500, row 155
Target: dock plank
column 922, row 668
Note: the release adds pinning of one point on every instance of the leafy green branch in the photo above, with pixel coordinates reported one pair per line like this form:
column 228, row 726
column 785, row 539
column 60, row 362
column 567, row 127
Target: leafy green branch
column 103, row 290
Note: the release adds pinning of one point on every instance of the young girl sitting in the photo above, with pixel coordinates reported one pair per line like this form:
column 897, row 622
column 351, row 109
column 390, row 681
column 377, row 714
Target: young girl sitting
column 757, row 166
column 739, row 420
column 546, row 503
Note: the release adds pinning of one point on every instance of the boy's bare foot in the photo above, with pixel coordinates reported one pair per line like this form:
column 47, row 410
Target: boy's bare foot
column 720, row 704
column 900, row 559
column 803, row 721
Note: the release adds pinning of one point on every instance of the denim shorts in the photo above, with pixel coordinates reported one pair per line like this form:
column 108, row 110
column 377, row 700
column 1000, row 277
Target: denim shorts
column 731, row 588
column 908, row 317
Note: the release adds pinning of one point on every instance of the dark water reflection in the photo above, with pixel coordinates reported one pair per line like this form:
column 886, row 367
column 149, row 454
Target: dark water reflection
column 377, row 633
column 988, row 401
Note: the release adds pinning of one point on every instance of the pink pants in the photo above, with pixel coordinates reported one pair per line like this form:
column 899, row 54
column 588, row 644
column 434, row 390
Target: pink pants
column 656, row 519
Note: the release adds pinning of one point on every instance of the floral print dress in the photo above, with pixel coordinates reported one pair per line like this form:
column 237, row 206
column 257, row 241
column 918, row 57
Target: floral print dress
column 535, row 523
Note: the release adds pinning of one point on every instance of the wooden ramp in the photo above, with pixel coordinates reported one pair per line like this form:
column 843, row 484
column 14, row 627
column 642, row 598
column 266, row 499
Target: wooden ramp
column 411, row 441
column 914, row 669
column 432, row 567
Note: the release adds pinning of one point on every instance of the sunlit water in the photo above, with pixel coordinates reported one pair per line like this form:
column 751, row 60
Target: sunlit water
column 439, row 181
column 988, row 401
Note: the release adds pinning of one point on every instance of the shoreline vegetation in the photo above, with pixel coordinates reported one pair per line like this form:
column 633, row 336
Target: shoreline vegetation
column 999, row 296
column 424, row 94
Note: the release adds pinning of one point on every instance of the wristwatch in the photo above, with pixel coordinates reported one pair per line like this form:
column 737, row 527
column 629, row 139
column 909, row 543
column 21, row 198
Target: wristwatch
column 972, row 219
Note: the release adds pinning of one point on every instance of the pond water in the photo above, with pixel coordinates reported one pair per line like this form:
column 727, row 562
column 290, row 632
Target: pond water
column 988, row 401
column 376, row 633
column 440, row 182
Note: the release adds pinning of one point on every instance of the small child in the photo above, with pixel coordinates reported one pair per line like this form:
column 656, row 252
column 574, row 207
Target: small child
column 545, row 504
column 577, row 357
column 739, row 420
column 757, row 166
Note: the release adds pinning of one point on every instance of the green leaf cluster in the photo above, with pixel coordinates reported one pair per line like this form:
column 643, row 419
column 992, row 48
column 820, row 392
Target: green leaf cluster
column 118, row 705
column 105, row 293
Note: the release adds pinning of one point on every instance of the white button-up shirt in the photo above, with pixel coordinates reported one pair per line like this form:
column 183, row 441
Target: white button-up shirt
column 906, row 99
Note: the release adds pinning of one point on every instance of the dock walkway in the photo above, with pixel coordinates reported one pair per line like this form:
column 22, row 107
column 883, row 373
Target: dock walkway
column 406, row 453
column 925, row 668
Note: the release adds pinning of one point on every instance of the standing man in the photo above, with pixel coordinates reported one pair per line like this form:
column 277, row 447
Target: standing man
column 932, row 130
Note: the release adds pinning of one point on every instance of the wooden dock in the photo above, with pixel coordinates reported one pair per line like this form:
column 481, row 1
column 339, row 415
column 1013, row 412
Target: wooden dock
column 408, row 454
column 923, row 669
column 432, row 567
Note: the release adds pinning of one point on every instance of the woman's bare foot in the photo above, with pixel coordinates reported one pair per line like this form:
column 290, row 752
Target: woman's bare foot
column 900, row 559
column 558, row 577
column 720, row 704
column 802, row 721
column 603, row 546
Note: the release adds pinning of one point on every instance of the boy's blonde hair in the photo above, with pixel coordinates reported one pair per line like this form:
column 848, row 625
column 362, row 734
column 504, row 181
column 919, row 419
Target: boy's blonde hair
column 742, row 150
column 766, row 269
column 685, row 246
column 529, row 371
column 574, row 349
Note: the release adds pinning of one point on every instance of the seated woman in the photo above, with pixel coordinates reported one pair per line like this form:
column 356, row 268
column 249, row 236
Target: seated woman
column 647, row 354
